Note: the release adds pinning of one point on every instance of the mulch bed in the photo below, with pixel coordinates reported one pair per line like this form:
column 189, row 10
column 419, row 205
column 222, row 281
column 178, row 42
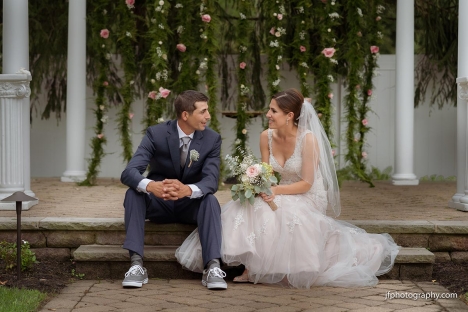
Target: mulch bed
column 51, row 277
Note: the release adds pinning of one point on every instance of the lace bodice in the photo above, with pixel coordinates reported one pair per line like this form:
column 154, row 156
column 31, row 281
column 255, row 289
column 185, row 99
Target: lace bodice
column 317, row 193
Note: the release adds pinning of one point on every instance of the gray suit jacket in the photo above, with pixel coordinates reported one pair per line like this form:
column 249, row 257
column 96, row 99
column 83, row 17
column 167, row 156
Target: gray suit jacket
column 160, row 149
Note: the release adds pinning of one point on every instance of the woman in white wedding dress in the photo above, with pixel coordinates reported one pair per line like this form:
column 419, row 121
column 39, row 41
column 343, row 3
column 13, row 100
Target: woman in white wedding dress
column 298, row 244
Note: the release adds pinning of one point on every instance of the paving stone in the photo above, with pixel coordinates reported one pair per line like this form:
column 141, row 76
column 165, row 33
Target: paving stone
column 459, row 256
column 69, row 238
column 57, row 254
column 411, row 240
column 448, row 243
column 441, row 256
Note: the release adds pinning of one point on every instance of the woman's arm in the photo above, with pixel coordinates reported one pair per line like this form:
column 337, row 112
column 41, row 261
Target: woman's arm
column 264, row 150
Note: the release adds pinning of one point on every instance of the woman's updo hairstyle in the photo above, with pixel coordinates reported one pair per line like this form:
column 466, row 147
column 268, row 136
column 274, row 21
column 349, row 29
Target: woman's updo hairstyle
column 290, row 101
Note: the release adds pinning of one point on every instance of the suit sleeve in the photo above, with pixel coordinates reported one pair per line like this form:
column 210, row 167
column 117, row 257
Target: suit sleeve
column 210, row 172
column 132, row 175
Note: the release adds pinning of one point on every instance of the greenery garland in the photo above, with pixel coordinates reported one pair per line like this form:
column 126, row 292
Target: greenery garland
column 156, row 61
column 101, row 40
column 301, row 49
column 126, row 49
column 243, row 66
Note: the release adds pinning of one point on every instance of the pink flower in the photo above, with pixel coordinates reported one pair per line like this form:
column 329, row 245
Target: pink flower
column 333, row 153
column 364, row 122
column 130, row 3
column 100, row 136
column 164, row 92
column 369, row 92
column 378, row 18
column 105, row 33
column 242, row 65
column 280, row 16
column 302, row 48
column 181, row 47
column 272, row 30
column 206, row 18
column 130, row 115
column 328, row 52
column 319, row 115
column 374, row 49
column 105, row 83
column 364, row 155
column 152, row 95
column 330, row 95
column 253, row 171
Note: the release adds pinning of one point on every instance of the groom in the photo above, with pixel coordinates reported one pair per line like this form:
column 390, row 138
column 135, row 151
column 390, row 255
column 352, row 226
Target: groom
column 183, row 157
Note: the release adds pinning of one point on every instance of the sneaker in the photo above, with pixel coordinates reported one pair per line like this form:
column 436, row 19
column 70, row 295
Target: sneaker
column 214, row 278
column 135, row 277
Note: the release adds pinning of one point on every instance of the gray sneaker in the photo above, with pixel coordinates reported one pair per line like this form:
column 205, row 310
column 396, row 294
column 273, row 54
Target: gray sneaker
column 135, row 277
column 214, row 278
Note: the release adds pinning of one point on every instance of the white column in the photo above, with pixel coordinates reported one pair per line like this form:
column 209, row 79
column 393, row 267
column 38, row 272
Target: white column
column 76, row 92
column 404, row 109
column 14, row 93
column 460, row 199
column 16, row 56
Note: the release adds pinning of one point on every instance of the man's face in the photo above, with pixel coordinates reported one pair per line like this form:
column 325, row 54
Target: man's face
column 198, row 119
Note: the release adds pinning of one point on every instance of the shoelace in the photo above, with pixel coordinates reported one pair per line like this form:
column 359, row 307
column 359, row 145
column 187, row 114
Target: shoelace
column 134, row 270
column 216, row 272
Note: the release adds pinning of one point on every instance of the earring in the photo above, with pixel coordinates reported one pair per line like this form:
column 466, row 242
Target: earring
column 287, row 122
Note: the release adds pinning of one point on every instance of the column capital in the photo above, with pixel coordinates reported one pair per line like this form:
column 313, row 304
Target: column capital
column 15, row 86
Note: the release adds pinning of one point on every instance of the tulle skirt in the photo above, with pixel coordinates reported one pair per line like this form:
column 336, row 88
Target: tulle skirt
column 296, row 245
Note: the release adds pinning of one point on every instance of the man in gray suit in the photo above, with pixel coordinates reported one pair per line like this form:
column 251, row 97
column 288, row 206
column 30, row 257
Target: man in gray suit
column 184, row 159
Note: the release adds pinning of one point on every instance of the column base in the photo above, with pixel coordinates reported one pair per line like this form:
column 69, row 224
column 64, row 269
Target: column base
column 12, row 205
column 455, row 200
column 458, row 206
column 405, row 179
column 73, row 176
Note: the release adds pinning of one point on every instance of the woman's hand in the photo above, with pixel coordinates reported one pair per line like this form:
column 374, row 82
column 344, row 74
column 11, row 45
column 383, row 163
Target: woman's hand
column 268, row 198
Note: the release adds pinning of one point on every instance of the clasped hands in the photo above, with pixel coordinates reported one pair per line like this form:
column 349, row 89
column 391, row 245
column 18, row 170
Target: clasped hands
column 169, row 189
column 268, row 198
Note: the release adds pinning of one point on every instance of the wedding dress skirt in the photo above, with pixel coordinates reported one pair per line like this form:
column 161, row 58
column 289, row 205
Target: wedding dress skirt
column 297, row 245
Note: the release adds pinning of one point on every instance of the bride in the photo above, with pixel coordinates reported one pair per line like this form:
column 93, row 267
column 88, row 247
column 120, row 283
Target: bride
column 298, row 244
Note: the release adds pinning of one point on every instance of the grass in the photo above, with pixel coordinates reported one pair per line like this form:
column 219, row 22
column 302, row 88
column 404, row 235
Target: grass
column 20, row 300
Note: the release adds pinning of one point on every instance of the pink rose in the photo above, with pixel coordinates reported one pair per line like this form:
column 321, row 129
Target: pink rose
column 130, row 3
column 164, row 92
column 364, row 155
column 100, row 136
column 105, row 83
column 364, row 122
column 181, row 47
column 369, row 92
column 272, row 30
column 105, row 33
column 152, row 95
column 330, row 95
column 302, row 48
column 242, row 65
column 206, row 18
column 280, row 16
column 378, row 18
column 374, row 49
column 328, row 52
column 130, row 115
column 333, row 153
column 253, row 171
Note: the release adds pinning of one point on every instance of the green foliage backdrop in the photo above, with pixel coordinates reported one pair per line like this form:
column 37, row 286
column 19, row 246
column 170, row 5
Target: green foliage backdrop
column 157, row 48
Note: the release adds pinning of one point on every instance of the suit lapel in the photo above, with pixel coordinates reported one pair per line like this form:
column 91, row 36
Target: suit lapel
column 173, row 143
column 196, row 144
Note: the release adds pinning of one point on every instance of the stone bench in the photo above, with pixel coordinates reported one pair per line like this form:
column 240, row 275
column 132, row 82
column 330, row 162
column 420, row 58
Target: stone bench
column 111, row 261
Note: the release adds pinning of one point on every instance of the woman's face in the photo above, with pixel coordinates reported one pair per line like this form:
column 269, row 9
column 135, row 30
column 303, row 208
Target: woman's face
column 276, row 117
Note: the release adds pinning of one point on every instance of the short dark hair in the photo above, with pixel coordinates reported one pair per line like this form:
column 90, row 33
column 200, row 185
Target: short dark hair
column 185, row 101
column 290, row 101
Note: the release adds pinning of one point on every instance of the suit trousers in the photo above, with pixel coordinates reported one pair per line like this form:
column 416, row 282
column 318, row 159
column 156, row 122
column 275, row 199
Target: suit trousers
column 204, row 212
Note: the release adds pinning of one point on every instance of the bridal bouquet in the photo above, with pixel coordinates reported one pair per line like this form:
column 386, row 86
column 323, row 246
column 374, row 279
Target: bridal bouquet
column 254, row 177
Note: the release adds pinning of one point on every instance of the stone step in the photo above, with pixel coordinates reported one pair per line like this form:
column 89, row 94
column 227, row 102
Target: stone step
column 111, row 261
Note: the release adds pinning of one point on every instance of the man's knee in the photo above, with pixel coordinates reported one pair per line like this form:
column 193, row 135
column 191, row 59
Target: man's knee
column 210, row 203
column 131, row 196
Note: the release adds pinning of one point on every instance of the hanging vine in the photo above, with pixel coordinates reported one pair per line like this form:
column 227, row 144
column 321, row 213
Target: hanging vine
column 101, row 40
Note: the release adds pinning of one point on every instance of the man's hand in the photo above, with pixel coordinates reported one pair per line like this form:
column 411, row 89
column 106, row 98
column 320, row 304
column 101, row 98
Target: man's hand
column 157, row 188
column 174, row 189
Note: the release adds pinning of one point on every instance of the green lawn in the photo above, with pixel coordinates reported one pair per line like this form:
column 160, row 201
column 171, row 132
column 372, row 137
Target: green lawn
column 20, row 300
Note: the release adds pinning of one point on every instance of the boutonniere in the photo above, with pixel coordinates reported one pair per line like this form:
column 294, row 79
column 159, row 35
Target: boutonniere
column 194, row 155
